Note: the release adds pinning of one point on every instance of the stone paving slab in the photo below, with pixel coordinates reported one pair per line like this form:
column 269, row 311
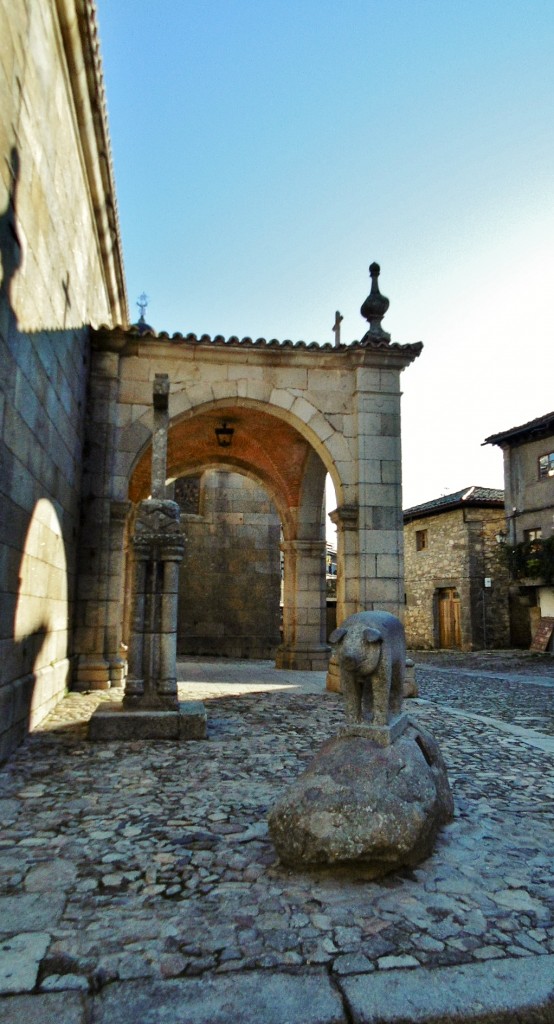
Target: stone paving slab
column 20, row 957
column 149, row 862
column 257, row 998
column 499, row 992
column 57, row 1008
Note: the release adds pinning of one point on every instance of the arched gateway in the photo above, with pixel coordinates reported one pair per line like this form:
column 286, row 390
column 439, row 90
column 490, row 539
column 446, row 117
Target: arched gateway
column 285, row 414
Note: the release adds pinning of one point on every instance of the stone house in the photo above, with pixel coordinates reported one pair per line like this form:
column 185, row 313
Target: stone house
column 77, row 409
column 529, row 499
column 455, row 574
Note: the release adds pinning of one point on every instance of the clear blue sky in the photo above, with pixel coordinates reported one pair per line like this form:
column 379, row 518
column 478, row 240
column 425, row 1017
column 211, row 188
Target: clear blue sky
column 267, row 151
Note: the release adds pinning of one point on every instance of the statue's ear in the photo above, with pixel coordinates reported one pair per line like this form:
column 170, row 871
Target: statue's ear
column 372, row 636
column 337, row 635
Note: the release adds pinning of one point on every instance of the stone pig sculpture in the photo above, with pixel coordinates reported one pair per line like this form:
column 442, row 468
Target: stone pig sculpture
column 371, row 652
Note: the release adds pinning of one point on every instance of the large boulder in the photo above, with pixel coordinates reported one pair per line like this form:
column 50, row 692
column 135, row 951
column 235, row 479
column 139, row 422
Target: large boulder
column 361, row 803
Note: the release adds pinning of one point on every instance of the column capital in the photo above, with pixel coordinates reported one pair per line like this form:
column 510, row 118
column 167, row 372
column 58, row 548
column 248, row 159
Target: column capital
column 345, row 517
column 307, row 547
column 120, row 509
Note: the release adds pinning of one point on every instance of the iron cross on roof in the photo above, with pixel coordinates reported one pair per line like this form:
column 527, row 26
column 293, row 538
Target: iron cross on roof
column 142, row 303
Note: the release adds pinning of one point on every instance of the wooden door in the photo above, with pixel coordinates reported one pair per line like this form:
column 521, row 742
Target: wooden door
column 450, row 627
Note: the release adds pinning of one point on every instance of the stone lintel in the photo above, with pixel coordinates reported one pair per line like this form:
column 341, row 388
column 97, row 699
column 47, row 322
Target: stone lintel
column 382, row 735
column 117, row 722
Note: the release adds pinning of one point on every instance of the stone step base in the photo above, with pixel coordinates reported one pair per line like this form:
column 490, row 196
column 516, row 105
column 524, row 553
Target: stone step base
column 116, row 722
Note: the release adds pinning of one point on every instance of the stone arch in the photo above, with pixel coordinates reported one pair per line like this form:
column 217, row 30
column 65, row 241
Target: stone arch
column 300, row 414
column 267, row 446
column 340, row 405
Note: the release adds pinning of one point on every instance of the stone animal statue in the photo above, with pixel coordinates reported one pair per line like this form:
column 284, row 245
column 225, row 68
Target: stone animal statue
column 371, row 652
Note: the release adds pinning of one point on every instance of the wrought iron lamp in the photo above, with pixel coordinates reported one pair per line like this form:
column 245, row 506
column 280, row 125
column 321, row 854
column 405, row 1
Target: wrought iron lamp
column 224, row 435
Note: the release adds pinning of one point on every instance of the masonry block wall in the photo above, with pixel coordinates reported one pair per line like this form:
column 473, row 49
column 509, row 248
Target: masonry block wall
column 53, row 282
column 230, row 576
column 460, row 552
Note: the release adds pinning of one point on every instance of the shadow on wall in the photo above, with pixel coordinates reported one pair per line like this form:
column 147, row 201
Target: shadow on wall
column 34, row 603
column 10, row 245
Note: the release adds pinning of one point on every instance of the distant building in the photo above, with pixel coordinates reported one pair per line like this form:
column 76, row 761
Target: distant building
column 529, row 497
column 455, row 574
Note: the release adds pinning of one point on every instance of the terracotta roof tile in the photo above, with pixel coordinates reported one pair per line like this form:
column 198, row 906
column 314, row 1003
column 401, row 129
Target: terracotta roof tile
column 233, row 341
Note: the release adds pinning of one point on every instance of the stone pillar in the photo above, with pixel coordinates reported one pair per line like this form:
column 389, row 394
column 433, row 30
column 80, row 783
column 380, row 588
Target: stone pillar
column 380, row 541
column 158, row 545
column 345, row 518
column 150, row 708
column 304, row 607
column 94, row 633
column 119, row 512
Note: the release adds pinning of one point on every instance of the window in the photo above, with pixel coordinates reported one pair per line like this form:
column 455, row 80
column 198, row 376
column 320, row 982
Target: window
column 546, row 466
column 421, row 540
column 531, row 535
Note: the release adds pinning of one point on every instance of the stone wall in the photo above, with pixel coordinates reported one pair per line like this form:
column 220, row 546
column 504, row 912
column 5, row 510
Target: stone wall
column 461, row 551
column 54, row 281
column 230, row 576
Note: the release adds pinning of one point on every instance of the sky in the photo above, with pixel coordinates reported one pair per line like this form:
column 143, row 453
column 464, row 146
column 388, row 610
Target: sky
column 267, row 151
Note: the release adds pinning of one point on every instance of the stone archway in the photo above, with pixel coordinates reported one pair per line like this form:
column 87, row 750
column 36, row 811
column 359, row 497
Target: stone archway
column 299, row 411
column 271, row 450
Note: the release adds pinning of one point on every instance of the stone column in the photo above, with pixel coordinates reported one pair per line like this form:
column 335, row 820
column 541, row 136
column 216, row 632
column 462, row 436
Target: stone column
column 158, row 546
column 345, row 518
column 304, row 607
column 94, row 635
column 119, row 512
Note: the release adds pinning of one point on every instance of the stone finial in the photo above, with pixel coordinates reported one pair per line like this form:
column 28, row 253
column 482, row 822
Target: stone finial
column 375, row 307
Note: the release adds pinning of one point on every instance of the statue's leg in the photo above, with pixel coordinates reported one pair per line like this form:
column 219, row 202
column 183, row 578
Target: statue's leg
column 352, row 695
column 381, row 680
column 397, row 686
column 367, row 699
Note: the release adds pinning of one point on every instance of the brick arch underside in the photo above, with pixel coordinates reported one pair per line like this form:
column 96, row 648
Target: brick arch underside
column 264, row 446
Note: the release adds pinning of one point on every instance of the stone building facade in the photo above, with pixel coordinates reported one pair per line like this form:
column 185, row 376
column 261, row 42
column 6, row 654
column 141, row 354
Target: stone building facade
column 61, row 270
column 528, row 452
column 230, row 575
column 456, row 577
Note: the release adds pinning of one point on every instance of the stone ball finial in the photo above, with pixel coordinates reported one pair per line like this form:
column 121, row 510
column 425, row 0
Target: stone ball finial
column 375, row 307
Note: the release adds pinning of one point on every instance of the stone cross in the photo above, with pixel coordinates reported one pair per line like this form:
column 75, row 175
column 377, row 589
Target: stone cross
column 159, row 436
column 336, row 328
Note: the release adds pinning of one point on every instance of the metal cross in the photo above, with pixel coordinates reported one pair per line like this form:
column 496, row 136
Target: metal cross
column 142, row 303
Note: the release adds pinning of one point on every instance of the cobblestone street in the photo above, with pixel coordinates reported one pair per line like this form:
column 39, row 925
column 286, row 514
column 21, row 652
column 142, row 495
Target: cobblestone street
column 138, row 878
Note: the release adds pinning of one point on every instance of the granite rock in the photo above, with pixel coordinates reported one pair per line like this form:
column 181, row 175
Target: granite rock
column 363, row 804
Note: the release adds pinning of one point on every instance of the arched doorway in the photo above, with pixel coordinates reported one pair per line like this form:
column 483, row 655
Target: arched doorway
column 269, row 451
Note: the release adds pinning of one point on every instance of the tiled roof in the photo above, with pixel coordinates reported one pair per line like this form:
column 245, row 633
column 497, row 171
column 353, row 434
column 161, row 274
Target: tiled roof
column 381, row 345
column 468, row 496
column 540, row 427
